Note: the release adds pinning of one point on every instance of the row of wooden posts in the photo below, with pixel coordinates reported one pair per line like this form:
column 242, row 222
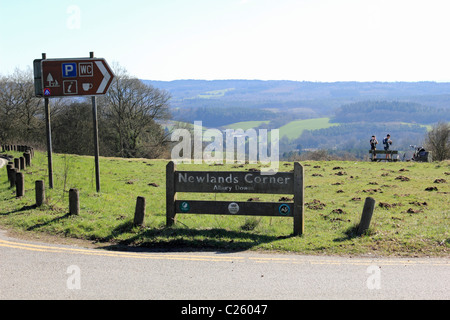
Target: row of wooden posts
column 17, row 147
column 16, row 166
column 16, row 178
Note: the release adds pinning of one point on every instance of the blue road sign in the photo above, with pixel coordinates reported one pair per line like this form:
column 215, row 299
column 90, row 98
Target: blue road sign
column 69, row 70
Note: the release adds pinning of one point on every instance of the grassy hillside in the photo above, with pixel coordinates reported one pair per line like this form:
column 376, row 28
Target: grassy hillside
column 245, row 125
column 292, row 130
column 407, row 221
column 295, row 129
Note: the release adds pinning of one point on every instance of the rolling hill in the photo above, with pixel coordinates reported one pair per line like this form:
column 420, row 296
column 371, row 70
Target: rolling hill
column 339, row 115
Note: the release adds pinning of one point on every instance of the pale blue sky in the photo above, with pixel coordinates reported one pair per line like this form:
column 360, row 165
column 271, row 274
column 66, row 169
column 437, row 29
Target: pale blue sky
column 312, row 40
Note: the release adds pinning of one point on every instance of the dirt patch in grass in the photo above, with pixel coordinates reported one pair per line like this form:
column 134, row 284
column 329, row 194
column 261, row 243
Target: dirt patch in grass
column 420, row 204
column 385, row 205
column 315, row 205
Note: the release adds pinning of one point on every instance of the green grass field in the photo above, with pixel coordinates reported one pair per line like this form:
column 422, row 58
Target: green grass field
column 295, row 129
column 409, row 222
column 214, row 94
column 245, row 125
column 292, row 130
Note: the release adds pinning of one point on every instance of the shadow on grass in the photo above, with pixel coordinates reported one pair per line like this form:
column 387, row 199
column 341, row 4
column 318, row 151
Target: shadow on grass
column 352, row 232
column 23, row 209
column 184, row 239
column 57, row 219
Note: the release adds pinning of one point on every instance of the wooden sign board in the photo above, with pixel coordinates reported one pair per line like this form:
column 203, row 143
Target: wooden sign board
column 235, row 182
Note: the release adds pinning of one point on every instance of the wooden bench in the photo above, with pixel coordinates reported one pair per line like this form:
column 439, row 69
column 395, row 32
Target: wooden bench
column 388, row 155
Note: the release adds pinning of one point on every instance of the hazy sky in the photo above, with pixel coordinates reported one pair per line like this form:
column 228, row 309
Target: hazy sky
column 311, row 40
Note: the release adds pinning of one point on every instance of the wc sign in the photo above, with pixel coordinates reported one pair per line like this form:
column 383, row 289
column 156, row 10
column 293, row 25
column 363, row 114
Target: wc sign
column 86, row 69
column 72, row 77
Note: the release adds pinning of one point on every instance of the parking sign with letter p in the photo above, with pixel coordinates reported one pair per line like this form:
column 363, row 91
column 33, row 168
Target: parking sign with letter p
column 69, row 70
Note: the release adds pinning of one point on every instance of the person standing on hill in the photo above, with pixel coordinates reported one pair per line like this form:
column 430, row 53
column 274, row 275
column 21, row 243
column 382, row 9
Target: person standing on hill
column 373, row 146
column 387, row 143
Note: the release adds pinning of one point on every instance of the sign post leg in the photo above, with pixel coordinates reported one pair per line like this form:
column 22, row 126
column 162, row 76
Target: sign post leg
column 298, row 199
column 48, row 130
column 49, row 143
column 96, row 147
column 171, row 195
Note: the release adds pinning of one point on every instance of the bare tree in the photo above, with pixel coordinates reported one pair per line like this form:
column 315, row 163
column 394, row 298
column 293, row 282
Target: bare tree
column 438, row 141
column 131, row 109
column 29, row 107
column 19, row 109
column 130, row 116
column 21, row 113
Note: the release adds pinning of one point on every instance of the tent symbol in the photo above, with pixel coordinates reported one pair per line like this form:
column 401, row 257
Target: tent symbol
column 52, row 83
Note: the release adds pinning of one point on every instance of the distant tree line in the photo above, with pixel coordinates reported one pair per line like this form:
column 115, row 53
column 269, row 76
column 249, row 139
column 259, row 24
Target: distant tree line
column 129, row 117
column 357, row 135
column 389, row 111
column 215, row 117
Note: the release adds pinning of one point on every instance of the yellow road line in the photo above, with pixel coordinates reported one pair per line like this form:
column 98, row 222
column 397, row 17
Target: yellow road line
column 136, row 255
column 209, row 258
column 357, row 262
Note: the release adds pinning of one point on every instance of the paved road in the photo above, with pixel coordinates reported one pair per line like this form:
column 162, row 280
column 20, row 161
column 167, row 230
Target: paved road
column 31, row 270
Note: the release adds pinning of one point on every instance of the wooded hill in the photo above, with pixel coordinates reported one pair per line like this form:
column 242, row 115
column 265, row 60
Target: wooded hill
column 222, row 102
column 358, row 109
column 389, row 111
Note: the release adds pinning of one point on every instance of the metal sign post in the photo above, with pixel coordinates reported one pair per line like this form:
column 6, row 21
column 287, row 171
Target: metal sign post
column 48, row 128
column 96, row 148
column 70, row 78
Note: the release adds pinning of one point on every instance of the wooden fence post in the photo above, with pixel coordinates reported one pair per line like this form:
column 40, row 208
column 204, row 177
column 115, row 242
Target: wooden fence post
column 9, row 168
column 171, row 195
column 22, row 163
column 40, row 192
column 17, row 163
column 139, row 212
column 366, row 216
column 74, row 202
column 20, row 185
column 27, row 156
column 12, row 182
